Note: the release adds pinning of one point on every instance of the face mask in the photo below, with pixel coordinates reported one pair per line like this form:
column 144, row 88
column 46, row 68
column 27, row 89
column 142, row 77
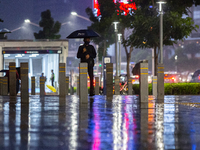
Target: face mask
column 87, row 43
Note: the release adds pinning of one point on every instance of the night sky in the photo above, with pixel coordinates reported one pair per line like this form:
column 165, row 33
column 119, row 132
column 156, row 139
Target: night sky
column 14, row 12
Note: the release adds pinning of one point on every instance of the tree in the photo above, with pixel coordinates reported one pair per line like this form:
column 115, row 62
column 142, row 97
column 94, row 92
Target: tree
column 103, row 25
column 140, row 28
column 50, row 28
column 145, row 24
column 109, row 12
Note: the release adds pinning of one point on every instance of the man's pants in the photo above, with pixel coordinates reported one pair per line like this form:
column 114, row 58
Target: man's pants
column 52, row 81
column 91, row 75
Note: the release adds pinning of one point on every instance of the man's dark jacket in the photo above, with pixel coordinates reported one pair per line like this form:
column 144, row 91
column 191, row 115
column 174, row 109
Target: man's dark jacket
column 89, row 50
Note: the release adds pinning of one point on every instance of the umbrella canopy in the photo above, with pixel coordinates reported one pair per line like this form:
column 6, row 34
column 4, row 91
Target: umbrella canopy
column 83, row 34
column 51, row 88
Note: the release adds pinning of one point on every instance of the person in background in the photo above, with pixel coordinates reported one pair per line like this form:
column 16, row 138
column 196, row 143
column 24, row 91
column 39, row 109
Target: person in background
column 42, row 75
column 17, row 81
column 52, row 78
column 87, row 53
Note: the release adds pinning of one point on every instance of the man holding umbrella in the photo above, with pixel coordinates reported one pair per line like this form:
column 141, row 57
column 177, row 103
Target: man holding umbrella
column 87, row 53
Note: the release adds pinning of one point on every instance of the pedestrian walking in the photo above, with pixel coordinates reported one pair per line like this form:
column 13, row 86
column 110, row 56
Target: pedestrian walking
column 87, row 53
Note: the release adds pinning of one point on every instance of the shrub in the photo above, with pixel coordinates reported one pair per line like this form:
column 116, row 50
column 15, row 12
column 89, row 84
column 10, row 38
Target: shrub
column 174, row 88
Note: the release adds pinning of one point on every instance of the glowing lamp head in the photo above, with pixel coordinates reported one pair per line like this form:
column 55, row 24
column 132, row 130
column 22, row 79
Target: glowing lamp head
column 27, row 21
column 73, row 13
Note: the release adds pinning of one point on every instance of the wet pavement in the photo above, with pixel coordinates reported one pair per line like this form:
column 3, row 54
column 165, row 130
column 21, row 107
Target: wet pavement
column 53, row 123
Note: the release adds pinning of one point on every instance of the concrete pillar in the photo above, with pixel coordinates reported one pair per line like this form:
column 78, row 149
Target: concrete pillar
column 117, row 87
column 160, row 82
column 33, row 85
column 4, row 86
column 109, row 81
column 130, row 86
column 42, row 88
column 62, row 78
column 67, row 85
column 144, row 85
column 83, row 69
column 96, row 85
column 77, row 87
column 154, row 86
column 24, row 82
column 12, row 79
column 1, row 83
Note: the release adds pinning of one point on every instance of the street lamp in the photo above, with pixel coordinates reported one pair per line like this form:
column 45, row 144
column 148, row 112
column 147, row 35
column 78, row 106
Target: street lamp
column 75, row 14
column 28, row 21
column 176, row 57
column 161, row 2
column 116, row 60
column 119, row 41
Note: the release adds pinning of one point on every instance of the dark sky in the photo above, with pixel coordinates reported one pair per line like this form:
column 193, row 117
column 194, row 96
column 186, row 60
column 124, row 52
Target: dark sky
column 14, row 12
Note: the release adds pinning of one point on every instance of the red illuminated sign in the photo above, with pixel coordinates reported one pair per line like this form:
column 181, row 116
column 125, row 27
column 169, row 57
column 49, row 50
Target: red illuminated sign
column 124, row 6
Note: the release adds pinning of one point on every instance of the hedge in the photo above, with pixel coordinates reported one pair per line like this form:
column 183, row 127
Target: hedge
column 175, row 89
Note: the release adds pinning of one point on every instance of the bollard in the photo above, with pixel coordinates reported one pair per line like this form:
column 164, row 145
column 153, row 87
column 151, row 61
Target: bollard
column 33, row 85
column 24, row 82
column 77, row 87
column 109, row 81
column 42, row 82
column 62, row 78
column 83, row 68
column 130, row 86
column 12, row 79
column 1, row 83
column 160, row 83
column 117, row 87
column 4, row 86
column 67, row 85
column 144, row 85
column 154, row 86
column 96, row 85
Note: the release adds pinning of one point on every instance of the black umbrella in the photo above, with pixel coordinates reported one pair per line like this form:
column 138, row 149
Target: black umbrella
column 83, row 34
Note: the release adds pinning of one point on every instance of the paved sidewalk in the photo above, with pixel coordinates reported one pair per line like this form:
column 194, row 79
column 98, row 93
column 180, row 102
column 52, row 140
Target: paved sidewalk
column 53, row 123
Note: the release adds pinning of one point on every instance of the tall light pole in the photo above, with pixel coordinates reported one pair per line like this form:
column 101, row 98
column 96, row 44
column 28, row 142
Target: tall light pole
column 176, row 57
column 161, row 2
column 116, row 55
column 119, row 41
column 160, row 67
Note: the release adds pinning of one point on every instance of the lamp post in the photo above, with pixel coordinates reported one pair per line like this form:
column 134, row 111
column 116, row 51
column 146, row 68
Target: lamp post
column 75, row 14
column 160, row 67
column 176, row 57
column 161, row 2
column 28, row 21
column 116, row 55
column 119, row 41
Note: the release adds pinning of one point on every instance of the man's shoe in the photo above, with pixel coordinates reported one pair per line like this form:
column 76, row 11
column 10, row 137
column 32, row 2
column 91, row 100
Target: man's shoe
column 91, row 94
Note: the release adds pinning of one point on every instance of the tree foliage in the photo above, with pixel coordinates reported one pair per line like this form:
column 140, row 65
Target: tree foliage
column 103, row 25
column 145, row 24
column 141, row 27
column 50, row 27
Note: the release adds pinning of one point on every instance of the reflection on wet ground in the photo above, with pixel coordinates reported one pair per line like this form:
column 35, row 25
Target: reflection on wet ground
column 55, row 123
